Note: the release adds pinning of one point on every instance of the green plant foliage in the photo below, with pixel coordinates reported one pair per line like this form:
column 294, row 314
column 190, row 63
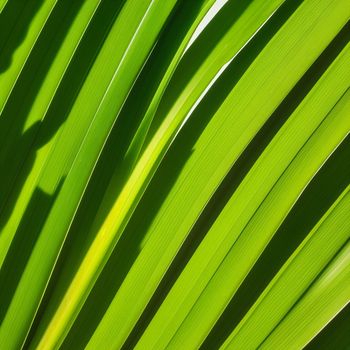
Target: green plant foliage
column 174, row 174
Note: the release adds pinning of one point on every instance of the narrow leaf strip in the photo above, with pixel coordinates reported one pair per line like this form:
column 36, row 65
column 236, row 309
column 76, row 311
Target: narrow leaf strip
column 219, row 145
column 17, row 56
column 19, row 151
column 325, row 299
column 36, row 274
column 247, row 216
column 311, row 257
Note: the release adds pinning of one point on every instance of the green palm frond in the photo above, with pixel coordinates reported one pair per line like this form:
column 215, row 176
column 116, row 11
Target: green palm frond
column 174, row 174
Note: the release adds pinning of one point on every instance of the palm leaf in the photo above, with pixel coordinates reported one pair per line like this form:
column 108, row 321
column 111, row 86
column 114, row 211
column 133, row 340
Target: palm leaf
column 174, row 174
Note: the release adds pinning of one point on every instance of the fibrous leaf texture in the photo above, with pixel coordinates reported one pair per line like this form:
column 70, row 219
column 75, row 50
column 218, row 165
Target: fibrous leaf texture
column 174, row 174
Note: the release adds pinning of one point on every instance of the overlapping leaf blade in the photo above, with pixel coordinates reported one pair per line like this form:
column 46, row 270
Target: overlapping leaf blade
column 144, row 181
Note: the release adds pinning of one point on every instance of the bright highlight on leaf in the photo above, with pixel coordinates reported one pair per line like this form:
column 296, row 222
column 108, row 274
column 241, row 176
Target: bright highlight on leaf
column 174, row 174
